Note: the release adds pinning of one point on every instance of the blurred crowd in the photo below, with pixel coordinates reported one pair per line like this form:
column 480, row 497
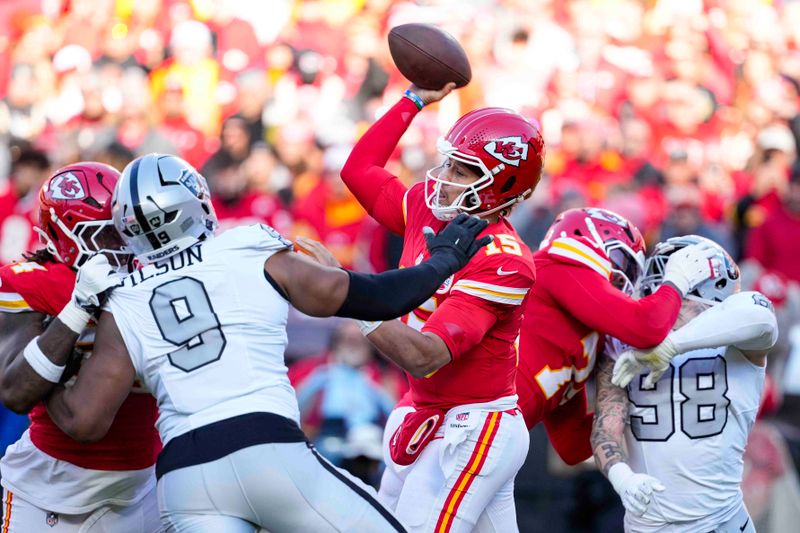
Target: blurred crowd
column 682, row 116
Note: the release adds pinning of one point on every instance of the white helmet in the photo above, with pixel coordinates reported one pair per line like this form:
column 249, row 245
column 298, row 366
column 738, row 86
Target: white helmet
column 711, row 291
column 162, row 205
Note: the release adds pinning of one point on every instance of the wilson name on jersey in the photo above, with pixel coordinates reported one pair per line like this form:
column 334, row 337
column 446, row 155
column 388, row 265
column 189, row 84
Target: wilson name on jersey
column 206, row 331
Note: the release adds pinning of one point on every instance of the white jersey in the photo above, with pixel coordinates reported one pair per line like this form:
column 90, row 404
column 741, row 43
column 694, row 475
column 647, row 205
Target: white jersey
column 206, row 331
column 690, row 432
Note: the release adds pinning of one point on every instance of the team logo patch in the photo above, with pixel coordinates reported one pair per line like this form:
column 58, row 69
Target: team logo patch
column 608, row 216
column 190, row 181
column 52, row 519
column 67, row 186
column 509, row 150
column 445, row 287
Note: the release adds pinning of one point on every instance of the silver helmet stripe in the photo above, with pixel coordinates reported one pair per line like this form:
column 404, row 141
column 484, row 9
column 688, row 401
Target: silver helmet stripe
column 137, row 208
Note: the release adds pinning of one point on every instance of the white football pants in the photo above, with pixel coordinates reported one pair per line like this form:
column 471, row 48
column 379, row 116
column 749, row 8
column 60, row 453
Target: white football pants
column 281, row 487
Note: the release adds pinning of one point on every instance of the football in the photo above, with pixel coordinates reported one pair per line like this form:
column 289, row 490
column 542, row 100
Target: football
column 428, row 56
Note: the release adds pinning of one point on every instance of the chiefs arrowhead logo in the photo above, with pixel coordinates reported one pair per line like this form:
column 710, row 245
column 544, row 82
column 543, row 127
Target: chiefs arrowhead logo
column 608, row 216
column 67, row 186
column 509, row 150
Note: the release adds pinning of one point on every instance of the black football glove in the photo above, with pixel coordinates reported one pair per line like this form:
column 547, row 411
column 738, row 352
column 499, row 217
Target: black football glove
column 454, row 246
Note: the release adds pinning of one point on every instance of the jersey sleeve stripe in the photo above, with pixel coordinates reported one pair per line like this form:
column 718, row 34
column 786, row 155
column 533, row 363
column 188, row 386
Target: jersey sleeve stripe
column 581, row 253
column 405, row 207
column 493, row 293
column 13, row 302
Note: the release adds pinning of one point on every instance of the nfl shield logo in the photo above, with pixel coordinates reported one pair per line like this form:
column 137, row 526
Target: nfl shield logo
column 461, row 417
column 52, row 519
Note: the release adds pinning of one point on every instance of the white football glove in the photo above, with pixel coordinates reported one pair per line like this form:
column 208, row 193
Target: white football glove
column 631, row 363
column 626, row 368
column 634, row 489
column 691, row 265
column 95, row 280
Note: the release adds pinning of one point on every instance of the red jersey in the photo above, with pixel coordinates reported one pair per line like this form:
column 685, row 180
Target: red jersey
column 132, row 442
column 570, row 308
column 477, row 312
column 769, row 243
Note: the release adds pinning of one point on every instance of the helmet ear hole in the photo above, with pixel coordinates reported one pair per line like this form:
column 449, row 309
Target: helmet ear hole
column 52, row 232
column 578, row 232
column 508, row 184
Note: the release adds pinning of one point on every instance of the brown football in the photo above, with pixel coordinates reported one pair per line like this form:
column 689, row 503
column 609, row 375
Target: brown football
column 428, row 56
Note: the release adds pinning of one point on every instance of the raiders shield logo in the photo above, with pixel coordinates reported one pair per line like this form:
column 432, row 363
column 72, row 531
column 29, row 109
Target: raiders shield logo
column 67, row 186
column 509, row 150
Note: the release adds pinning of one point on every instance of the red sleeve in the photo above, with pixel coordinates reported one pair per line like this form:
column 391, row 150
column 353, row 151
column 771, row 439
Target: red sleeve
column 461, row 322
column 376, row 189
column 596, row 303
column 45, row 288
column 569, row 428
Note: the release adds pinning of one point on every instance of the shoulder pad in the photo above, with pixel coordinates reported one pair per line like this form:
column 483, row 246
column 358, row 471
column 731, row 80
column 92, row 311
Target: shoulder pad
column 579, row 251
column 258, row 236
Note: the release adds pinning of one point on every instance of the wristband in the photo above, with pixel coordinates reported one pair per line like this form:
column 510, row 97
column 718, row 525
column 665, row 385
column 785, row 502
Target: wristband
column 74, row 317
column 40, row 363
column 368, row 327
column 414, row 98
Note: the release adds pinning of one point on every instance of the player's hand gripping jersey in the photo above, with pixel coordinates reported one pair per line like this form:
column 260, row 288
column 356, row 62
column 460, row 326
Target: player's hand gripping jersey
column 114, row 470
column 478, row 311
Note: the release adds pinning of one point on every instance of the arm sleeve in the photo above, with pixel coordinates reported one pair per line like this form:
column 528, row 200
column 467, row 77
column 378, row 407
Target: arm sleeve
column 376, row 189
column 569, row 428
column 597, row 304
column 478, row 300
column 745, row 320
column 461, row 322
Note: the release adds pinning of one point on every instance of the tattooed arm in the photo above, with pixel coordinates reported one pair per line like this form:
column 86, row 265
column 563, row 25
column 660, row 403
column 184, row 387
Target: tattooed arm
column 611, row 410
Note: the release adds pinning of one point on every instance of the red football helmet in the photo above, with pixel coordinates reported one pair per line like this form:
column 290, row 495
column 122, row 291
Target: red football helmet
column 75, row 214
column 506, row 150
column 621, row 240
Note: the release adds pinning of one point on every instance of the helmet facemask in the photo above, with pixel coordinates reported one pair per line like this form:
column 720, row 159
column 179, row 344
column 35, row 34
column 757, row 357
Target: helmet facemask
column 627, row 266
column 89, row 238
column 469, row 200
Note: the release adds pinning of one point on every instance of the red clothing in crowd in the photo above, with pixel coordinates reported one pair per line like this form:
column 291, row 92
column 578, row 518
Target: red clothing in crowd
column 252, row 208
column 190, row 142
column 774, row 243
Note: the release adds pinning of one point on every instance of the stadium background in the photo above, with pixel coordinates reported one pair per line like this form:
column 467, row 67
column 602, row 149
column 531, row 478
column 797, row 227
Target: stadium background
column 681, row 115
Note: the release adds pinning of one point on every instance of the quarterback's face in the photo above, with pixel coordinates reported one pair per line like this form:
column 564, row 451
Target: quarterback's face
column 457, row 173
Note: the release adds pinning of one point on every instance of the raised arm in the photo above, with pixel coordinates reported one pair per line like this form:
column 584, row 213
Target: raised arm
column 608, row 430
column 380, row 192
